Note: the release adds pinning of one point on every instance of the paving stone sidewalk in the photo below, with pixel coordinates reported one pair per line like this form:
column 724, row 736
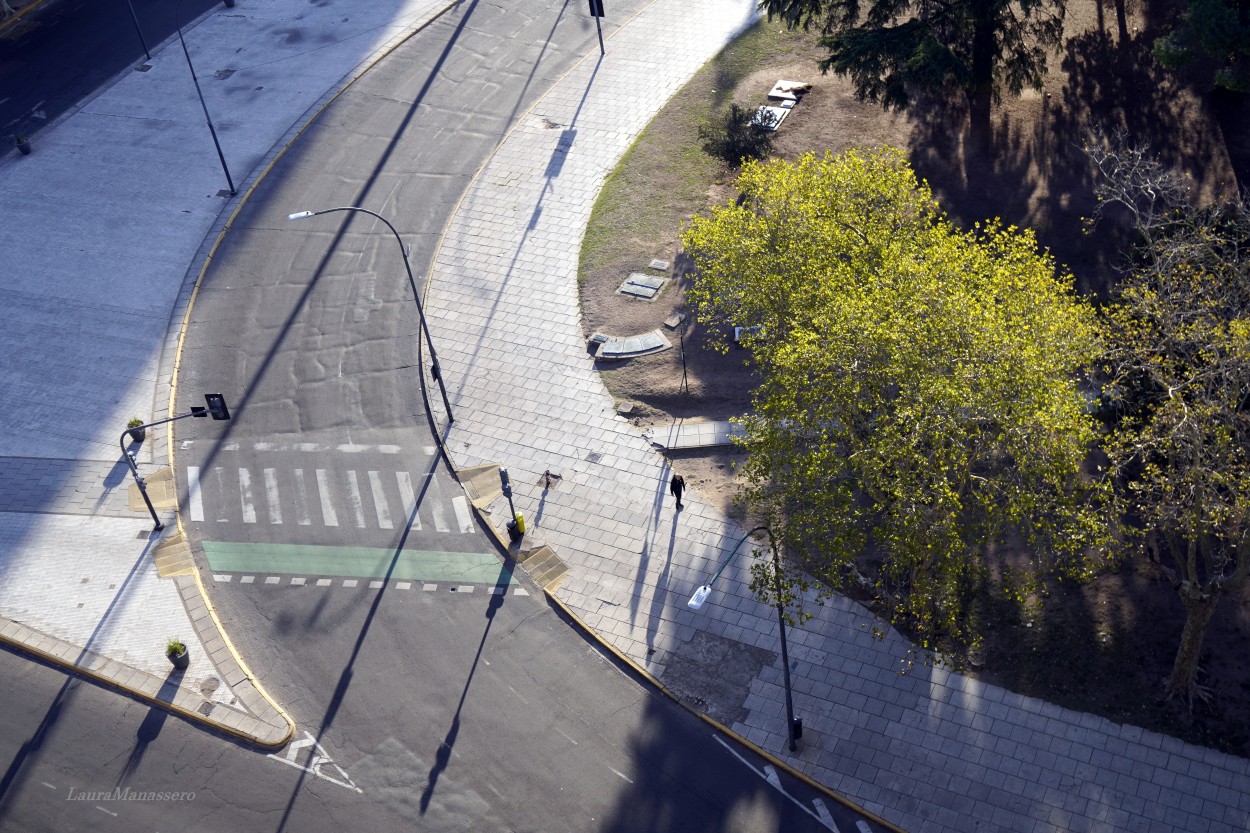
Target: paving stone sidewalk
column 107, row 224
column 928, row 750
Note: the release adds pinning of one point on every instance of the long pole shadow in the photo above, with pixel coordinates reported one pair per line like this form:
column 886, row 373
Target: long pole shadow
column 345, row 677
column 443, row 755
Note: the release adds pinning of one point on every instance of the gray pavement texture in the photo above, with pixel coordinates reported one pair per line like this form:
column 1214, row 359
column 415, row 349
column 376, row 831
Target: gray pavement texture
column 109, row 222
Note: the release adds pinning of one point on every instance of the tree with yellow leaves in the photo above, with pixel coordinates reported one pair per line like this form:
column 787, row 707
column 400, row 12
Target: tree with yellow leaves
column 920, row 405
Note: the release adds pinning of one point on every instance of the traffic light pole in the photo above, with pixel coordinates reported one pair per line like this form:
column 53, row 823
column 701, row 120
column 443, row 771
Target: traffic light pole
column 216, row 407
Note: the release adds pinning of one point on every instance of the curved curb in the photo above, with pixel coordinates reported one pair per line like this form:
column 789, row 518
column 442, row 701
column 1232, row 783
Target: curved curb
column 650, row 679
column 12, row 19
column 139, row 685
column 209, row 627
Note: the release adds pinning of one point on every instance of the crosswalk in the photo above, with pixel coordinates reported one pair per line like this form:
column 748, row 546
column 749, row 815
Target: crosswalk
column 311, row 496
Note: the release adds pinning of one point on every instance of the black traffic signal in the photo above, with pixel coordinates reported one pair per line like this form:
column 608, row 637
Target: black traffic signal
column 217, row 405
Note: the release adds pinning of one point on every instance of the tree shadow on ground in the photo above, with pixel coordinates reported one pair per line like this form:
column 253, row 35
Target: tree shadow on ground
column 1108, row 646
column 1036, row 175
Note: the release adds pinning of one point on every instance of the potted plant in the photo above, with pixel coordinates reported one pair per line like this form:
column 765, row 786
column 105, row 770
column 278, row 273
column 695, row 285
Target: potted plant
column 23, row 144
column 137, row 431
column 176, row 650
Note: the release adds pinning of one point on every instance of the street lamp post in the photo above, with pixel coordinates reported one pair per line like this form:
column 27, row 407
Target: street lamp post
column 794, row 728
column 216, row 407
column 416, row 292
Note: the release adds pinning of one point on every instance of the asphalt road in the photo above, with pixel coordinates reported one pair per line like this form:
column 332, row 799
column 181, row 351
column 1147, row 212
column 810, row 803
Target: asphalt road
column 449, row 706
column 61, row 52
column 428, row 711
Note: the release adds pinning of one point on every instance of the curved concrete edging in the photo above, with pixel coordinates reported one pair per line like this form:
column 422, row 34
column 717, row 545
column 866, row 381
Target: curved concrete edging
column 210, row 628
column 651, row 680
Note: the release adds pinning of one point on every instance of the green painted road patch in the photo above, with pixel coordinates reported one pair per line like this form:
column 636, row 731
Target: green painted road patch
column 357, row 562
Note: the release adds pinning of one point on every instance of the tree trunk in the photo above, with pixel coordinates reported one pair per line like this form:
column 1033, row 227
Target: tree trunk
column 981, row 92
column 1199, row 607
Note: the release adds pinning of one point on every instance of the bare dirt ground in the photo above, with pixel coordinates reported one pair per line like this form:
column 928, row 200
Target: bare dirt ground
column 1104, row 648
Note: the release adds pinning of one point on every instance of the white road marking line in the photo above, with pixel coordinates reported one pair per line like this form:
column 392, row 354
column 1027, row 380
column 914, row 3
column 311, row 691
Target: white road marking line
column 357, row 502
column 298, row 581
column 245, row 496
column 409, row 497
column 462, row 513
column 327, row 508
column 273, row 579
column 374, row 585
column 102, row 810
column 568, row 738
column 380, row 506
column 429, row 588
column 221, row 490
column 350, row 582
column 271, row 496
column 770, row 775
column 403, row 585
column 829, row 824
column 301, row 499
column 195, row 503
column 436, row 506
column 222, row 579
column 823, row 812
column 623, row 775
column 247, row 579
column 352, row 448
column 229, row 446
column 863, row 827
column 520, row 591
column 389, row 449
column 430, row 451
column 316, row 760
column 323, row 582
column 46, row 784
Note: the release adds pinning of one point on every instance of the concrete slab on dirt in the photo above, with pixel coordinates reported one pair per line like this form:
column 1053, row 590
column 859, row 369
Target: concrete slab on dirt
column 642, row 286
column 615, row 349
column 685, row 434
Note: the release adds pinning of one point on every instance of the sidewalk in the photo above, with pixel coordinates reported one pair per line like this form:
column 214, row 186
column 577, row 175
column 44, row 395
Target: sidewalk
column 929, row 751
column 98, row 307
column 106, row 227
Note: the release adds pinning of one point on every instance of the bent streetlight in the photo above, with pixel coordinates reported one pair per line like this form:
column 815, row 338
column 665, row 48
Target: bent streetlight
column 416, row 293
column 216, row 408
column 794, row 728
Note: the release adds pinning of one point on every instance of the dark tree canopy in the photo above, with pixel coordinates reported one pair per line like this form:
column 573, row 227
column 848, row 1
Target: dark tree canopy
column 892, row 49
column 1215, row 32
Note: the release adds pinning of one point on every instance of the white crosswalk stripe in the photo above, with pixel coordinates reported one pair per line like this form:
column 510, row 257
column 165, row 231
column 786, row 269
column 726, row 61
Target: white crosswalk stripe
column 463, row 518
column 195, row 503
column 409, row 499
column 379, row 501
column 274, row 495
column 327, row 505
column 301, row 500
column 271, row 496
column 245, row 496
column 357, row 502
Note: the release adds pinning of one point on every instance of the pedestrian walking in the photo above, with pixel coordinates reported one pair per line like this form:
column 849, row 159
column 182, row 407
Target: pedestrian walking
column 676, row 486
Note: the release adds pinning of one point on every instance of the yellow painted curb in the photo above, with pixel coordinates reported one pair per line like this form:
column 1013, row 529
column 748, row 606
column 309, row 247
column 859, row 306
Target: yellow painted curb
column 87, row 673
column 12, row 19
column 186, row 320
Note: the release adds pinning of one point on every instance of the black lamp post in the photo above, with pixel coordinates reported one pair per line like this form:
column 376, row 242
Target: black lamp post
column 794, row 728
column 416, row 292
column 216, row 407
